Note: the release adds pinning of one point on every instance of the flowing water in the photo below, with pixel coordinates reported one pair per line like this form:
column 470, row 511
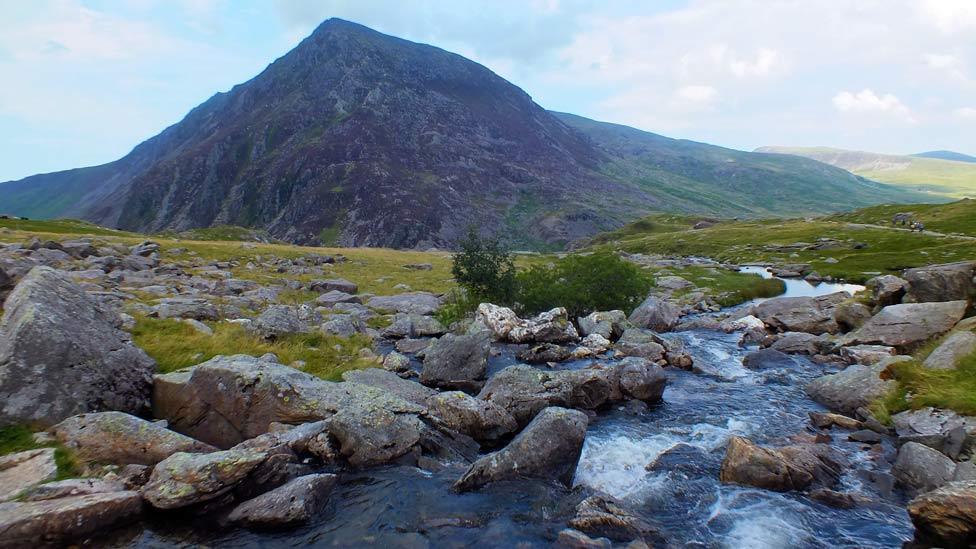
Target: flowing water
column 663, row 462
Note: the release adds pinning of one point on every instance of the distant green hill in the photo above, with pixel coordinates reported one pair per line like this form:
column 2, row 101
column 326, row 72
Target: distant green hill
column 947, row 155
column 937, row 176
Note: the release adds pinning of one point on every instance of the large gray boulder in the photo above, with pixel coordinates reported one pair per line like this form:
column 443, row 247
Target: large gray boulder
column 62, row 353
column 640, row 342
column 282, row 320
column 795, row 467
column 457, row 362
column 947, row 355
column 799, row 343
column 943, row 430
column 855, row 387
column 480, row 419
column 408, row 390
column 609, row 324
column 886, row 290
column 525, row 391
column 418, row 303
column 922, row 469
column 946, row 517
column 549, row 448
column 908, row 325
column 410, row 325
column 185, row 479
column 195, row 308
column 814, row 315
column 655, row 314
column 119, row 438
column 66, row 520
column 948, row 282
column 22, row 470
column 549, row 327
column 293, row 503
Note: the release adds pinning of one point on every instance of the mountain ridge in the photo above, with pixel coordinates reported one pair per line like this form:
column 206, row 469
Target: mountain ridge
column 359, row 138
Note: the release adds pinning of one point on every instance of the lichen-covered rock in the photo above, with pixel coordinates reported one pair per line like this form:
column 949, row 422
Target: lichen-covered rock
column 886, row 290
column 281, row 320
column 418, row 303
column 293, row 503
column 332, row 297
column 908, row 325
column 480, row 419
column 66, row 520
column 947, row 355
column 946, row 517
column 73, row 487
column 855, row 387
column 608, row 324
column 655, row 314
column 62, row 353
column 457, row 362
column 606, row 517
column 409, row 325
column 638, row 342
column 947, row 282
column 186, row 307
column 185, row 479
column 343, row 325
column 548, row 327
column 22, row 470
column 814, row 315
column 524, row 391
column 544, row 353
column 548, row 448
column 408, row 390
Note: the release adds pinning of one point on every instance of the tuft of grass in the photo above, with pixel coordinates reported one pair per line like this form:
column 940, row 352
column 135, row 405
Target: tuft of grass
column 918, row 387
column 18, row 438
column 176, row 345
column 379, row 322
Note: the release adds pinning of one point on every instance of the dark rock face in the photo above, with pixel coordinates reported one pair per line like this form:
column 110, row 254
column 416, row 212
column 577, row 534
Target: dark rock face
column 457, row 362
column 949, row 282
column 62, row 353
column 293, row 503
column 548, row 448
column 782, row 469
column 946, row 517
column 65, row 520
column 363, row 139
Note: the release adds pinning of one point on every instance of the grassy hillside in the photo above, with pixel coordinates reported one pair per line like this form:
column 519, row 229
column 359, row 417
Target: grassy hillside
column 947, row 155
column 852, row 251
column 955, row 218
column 939, row 177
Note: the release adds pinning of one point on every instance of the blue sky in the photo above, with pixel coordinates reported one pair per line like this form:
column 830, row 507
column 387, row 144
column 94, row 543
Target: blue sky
column 86, row 80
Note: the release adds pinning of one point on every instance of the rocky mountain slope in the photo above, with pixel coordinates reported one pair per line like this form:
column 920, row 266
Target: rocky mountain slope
column 941, row 177
column 358, row 138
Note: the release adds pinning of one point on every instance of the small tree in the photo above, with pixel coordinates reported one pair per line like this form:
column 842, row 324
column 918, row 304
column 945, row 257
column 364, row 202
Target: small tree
column 485, row 268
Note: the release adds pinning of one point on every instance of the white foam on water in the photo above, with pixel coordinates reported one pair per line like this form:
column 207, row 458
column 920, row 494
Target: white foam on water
column 759, row 524
column 616, row 464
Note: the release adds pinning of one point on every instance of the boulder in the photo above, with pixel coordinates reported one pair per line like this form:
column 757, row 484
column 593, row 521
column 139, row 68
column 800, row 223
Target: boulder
column 814, row 315
column 655, row 314
column 948, row 282
column 638, row 379
column 943, row 430
column 480, row 419
column 22, row 470
column 332, row 297
column 396, row 362
column 908, row 325
column 850, row 315
column 413, row 326
column 343, row 325
column 333, row 285
column 609, row 324
column 418, row 303
column 922, row 469
column 603, row 516
column 638, row 342
column 764, row 359
column 593, row 344
column 826, row 420
column 408, row 390
column 293, row 503
column 886, row 290
column 73, row 487
column 457, row 362
column 185, row 307
column 794, row 467
column 65, row 520
column 524, row 391
column 569, row 538
column 120, row 439
column 855, row 387
column 799, row 343
column 866, row 354
column 957, row 345
column 548, row 327
column 946, row 517
column 544, row 353
column 548, row 448
column 62, row 353
column 185, row 479
column 282, row 320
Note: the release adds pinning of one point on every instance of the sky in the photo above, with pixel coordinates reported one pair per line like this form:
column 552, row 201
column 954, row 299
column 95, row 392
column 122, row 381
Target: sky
column 84, row 81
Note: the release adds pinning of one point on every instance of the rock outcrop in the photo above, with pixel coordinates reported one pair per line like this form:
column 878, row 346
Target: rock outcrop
column 655, row 314
column 782, row 469
column 293, row 503
column 948, row 282
column 907, row 325
column 186, row 479
column 946, row 517
column 855, row 387
column 457, row 362
column 67, row 520
column 813, row 315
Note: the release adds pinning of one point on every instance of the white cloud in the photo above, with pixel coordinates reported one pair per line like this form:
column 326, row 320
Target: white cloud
column 765, row 62
column 696, row 97
column 949, row 16
column 968, row 113
column 868, row 102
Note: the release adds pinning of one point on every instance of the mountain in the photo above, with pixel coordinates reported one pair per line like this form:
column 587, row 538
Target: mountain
column 362, row 139
column 941, row 178
column 947, row 155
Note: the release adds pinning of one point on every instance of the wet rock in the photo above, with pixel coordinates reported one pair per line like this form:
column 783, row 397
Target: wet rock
column 908, row 325
column 543, row 353
column 186, row 307
column 396, row 362
column 419, row 303
column 655, row 314
column 61, row 353
column 411, row 391
column 73, row 487
column 118, row 438
column 65, row 520
column 814, row 315
column 457, row 362
column 946, row 517
column 480, row 419
column 638, row 342
column 839, row 500
column 764, row 359
column 296, row 502
column 331, row 298
column 22, row 470
column 333, row 285
column 921, row 468
column 855, row 387
column 609, row 324
column 865, row 436
column 799, row 343
column 524, row 391
column 606, row 517
column 866, row 354
column 826, row 420
column 948, row 282
column 957, row 345
column 413, row 326
column 574, row 539
column 281, row 320
column 886, row 289
column 548, row 448
column 788, row 468
column 185, row 479
column 850, row 315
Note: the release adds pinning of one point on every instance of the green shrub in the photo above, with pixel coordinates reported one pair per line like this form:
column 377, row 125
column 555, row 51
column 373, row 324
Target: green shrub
column 485, row 269
column 583, row 284
column 457, row 305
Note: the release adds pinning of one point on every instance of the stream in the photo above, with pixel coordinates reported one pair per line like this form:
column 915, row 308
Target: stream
column 663, row 463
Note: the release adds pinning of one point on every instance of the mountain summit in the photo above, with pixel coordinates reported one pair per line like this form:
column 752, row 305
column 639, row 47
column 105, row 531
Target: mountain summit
column 359, row 138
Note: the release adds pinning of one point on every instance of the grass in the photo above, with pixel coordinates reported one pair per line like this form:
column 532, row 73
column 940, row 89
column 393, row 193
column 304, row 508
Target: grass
column 61, row 227
column 176, row 345
column 955, row 218
column 220, row 232
column 18, row 438
column 730, row 288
